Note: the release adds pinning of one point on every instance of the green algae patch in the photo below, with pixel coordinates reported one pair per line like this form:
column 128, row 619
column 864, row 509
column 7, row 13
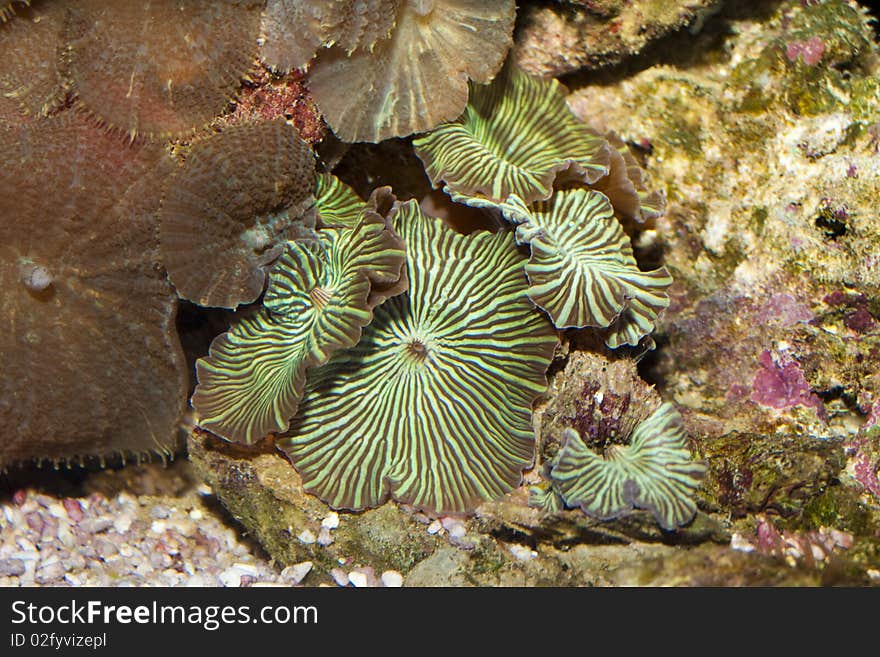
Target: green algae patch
column 806, row 66
column 262, row 492
column 864, row 102
column 751, row 473
column 841, row 507
column 712, row 565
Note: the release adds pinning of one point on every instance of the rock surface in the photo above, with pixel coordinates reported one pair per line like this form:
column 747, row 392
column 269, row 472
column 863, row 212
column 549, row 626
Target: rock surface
column 506, row 542
column 768, row 154
column 556, row 38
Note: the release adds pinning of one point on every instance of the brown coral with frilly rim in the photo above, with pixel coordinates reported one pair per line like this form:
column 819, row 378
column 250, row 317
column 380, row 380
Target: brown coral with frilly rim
column 91, row 362
column 294, row 30
column 229, row 210
column 161, row 68
column 32, row 52
column 416, row 77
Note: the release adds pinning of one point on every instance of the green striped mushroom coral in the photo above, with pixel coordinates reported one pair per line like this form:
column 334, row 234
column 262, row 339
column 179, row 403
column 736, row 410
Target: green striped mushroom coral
column 516, row 136
column 654, row 472
column 582, row 270
column 319, row 299
column 337, row 204
column 433, row 406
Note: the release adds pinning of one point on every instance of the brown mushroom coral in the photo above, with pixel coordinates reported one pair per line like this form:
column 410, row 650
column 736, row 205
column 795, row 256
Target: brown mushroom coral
column 229, row 210
column 293, row 30
column 417, row 77
column 31, row 49
column 160, row 68
column 625, row 185
column 90, row 358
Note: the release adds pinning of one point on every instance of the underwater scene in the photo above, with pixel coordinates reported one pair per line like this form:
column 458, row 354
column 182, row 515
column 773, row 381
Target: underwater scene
column 439, row 293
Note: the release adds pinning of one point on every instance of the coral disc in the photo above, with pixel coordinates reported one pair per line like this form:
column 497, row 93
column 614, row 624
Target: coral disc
column 582, row 269
column 655, row 472
column 32, row 49
column 293, row 30
column 164, row 67
column 228, row 211
column 416, row 77
column 318, row 302
column 90, row 357
column 517, row 136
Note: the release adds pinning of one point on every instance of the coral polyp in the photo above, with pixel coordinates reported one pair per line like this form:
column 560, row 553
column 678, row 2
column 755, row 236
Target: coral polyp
column 582, row 270
column 516, row 136
column 318, row 302
column 294, row 30
column 160, row 68
column 231, row 207
column 416, row 77
column 654, row 472
column 91, row 359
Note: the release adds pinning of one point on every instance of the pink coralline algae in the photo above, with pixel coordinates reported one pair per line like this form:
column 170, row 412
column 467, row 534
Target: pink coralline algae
column 812, row 549
column 810, row 51
column 857, row 317
column 866, row 467
column 860, row 321
column 873, row 415
column 784, row 309
column 866, row 473
column 780, row 383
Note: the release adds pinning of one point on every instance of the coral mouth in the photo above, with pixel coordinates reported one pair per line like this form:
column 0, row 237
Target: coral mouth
column 417, row 350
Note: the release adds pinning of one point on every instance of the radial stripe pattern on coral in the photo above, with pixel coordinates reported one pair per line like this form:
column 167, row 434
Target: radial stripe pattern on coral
column 338, row 204
column 417, row 77
column 515, row 137
column 433, row 406
column 655, row 472
column 293, row 30
column 317, row 303
column 582, row 270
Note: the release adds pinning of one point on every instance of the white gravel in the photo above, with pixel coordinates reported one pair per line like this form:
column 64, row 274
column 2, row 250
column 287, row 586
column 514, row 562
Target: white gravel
column 166, row 538
column 392, row 579
column 150, row 525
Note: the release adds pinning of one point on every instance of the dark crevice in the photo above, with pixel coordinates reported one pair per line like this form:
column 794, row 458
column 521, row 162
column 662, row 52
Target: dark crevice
column 873, row 7
column 648, row 367
column 680, row 49
column 832, row 227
